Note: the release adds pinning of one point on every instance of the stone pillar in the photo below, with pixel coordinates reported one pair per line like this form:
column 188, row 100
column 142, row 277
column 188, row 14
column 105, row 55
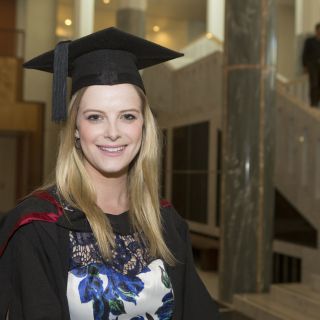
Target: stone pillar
column 131, row 16
column 39, row 26
column 248, row 148
column 215, row 18
column 83, row 17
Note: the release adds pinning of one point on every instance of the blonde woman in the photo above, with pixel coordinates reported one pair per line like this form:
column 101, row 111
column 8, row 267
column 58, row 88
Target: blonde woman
column 97, row 243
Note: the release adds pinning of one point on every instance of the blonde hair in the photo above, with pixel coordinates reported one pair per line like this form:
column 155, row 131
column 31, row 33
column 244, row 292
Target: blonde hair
column 74, row 184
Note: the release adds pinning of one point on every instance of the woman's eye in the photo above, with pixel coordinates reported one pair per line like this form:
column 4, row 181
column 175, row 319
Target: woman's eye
column 94, row 117
column 129, row 116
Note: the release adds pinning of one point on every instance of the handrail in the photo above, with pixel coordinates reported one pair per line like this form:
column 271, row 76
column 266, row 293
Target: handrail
column 298, row 79
column 298, row 88
column 313, row 112
column 212, row 38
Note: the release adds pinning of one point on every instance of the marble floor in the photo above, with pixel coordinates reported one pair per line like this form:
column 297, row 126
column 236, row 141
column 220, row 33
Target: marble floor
column 211, row 281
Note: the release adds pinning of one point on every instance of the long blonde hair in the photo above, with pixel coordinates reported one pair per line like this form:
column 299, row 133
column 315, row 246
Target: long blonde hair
column 74, row 184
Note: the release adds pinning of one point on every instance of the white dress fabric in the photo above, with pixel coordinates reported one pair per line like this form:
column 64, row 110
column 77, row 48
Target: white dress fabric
column 132, row 286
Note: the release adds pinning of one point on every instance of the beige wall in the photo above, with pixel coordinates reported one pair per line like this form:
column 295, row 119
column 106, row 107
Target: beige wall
column 175, row 40
column 40, row 24
column 307, row 15
column 104, row 19
column 286, row 40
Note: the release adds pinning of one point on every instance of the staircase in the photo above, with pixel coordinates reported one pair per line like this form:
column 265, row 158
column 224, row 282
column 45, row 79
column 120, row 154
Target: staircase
column 171, row 91
column 284, row 302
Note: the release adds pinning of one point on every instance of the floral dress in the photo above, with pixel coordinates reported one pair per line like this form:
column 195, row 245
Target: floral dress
column 131, row 286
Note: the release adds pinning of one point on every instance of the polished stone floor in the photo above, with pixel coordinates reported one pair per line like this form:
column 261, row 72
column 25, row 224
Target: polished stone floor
column 231, row 315
column 211, row 281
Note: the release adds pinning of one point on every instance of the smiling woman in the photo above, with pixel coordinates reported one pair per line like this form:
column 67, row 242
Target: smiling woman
column 109, row 126
column 97, row 243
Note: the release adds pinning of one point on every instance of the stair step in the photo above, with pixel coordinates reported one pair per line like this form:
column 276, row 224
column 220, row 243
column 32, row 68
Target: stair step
column 265, row 307
column 305, row 290
column 315, row 282
column 298, row 297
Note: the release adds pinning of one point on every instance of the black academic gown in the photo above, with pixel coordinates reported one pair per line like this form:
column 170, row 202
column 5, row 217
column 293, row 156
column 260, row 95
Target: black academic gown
column 34, row 257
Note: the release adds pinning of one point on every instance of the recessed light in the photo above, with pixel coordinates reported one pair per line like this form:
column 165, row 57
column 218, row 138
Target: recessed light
column 156, row 28
column 106, row 1
column 209, row 35
column 68, row 22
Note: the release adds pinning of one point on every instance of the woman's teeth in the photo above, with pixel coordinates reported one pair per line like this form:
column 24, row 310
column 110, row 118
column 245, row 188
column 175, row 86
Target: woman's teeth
column 112, row 149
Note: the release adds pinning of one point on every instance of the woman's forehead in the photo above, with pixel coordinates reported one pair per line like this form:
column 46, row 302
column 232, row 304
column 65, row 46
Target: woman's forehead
column 111, row 95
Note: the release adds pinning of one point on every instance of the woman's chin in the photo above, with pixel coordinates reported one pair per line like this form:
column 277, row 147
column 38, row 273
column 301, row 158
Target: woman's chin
column 114, row 173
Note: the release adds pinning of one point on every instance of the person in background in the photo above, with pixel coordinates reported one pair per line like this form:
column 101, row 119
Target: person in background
column 311, row 63
column 97, row 242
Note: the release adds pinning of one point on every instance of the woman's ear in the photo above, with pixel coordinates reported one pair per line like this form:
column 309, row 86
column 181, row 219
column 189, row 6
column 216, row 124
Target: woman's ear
column 76, row 134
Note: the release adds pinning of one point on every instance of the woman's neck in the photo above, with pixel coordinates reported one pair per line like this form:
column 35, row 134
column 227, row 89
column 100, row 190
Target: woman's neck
column 112, row 192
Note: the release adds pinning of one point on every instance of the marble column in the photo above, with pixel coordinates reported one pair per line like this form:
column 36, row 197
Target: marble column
column 131, row 16
column 248, row 147
column 215, row 18
column 83, row 17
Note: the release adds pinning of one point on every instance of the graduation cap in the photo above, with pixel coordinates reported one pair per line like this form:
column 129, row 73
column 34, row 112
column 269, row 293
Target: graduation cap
column 106, row 57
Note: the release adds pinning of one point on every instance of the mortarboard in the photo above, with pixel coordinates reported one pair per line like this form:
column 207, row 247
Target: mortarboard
column 109, row 56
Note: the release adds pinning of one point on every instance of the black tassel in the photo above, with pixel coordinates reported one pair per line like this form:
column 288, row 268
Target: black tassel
column 59, row 88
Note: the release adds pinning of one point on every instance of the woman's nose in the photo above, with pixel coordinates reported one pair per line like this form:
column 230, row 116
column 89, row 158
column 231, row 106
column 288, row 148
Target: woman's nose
column 112, row 131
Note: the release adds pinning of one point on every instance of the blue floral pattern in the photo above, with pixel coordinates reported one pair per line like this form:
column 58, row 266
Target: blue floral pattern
column 108, row 285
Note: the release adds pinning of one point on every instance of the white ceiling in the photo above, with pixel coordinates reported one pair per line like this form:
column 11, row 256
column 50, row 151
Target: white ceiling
column 172, row 9
column 286, row 2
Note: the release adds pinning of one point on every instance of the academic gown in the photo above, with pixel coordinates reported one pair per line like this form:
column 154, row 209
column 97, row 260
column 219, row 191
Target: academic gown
column 34, row 261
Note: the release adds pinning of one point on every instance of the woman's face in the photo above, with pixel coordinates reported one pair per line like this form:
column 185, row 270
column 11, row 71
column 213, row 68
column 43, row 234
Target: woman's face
column 109, row 125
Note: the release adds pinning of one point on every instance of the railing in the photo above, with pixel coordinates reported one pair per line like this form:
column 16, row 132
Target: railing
column 298, row 88
column 12, row 42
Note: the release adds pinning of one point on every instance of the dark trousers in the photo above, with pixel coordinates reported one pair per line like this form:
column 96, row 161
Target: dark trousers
column 314, row 83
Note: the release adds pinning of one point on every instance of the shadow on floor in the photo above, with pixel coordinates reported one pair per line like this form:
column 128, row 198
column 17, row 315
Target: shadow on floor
column 232, row 315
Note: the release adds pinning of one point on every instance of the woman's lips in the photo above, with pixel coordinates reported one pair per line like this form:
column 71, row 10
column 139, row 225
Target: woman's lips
column 112, row 149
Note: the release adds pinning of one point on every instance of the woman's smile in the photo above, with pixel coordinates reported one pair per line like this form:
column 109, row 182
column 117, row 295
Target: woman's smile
column 109, row 126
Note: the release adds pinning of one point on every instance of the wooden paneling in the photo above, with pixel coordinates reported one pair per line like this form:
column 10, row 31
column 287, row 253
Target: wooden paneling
column 8, row 147
column 21, row 117
column 10, row 79
column 7, row 27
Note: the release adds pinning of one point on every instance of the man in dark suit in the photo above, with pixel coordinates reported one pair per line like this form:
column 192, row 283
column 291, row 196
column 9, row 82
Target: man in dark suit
column 311, row 63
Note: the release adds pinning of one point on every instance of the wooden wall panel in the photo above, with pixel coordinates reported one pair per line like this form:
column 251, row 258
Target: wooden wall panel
column 7, row 27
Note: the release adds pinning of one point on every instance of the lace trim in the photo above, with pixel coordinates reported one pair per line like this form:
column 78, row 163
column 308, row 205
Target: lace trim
column 129, row 256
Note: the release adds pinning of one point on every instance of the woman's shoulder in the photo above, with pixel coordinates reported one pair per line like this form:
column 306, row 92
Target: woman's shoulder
column 171, row 218
column 41, row 205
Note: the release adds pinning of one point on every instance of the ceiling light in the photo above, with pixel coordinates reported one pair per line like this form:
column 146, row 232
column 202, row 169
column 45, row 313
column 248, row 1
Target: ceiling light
column 156, row 28
column 68, row 22
column 106, row 1
column 209, row 35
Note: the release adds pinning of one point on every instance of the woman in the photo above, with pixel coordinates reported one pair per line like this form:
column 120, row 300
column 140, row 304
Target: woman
column 97, row 243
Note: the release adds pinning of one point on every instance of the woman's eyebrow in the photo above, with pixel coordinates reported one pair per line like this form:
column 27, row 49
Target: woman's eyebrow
column 137, row 110
column 92, row 110
column 131, row 110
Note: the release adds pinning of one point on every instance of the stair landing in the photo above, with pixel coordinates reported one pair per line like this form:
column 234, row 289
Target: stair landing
column 284, row 302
